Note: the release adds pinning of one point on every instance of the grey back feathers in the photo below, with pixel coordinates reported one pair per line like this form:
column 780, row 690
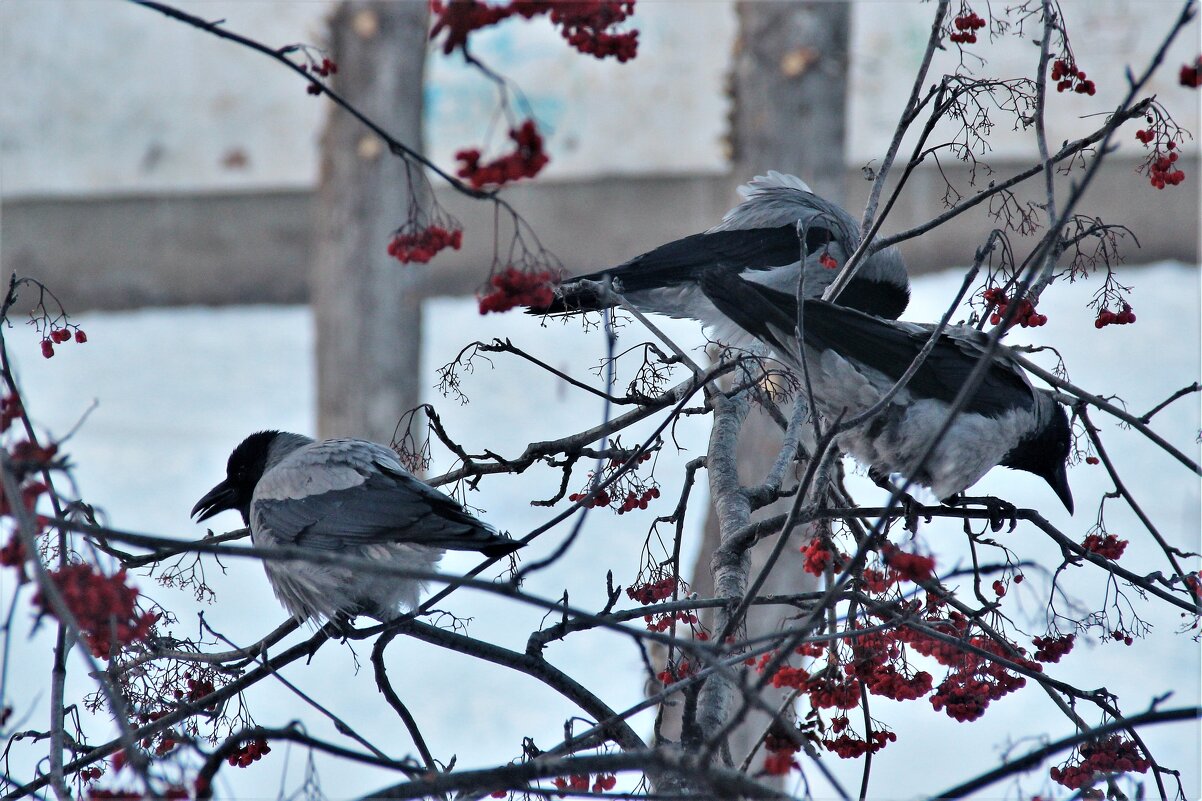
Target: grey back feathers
column 758, row 240
column 344, row 496
column 853, row 359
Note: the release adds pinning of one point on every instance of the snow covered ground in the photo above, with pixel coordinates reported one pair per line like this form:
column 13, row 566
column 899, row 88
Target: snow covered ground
column 176, row 389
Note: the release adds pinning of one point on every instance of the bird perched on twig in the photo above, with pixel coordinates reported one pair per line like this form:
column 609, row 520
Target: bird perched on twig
column 780, row 225
column 853, row 359
column 349, row 497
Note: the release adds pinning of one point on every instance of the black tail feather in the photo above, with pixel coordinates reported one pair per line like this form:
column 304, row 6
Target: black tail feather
column 572, row 298
column 502, row 546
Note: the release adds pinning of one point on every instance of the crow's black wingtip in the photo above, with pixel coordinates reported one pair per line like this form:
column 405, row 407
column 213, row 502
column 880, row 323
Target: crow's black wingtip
column 498, row 549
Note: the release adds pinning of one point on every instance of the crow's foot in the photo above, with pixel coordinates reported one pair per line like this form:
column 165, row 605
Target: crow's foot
column 1000, row 512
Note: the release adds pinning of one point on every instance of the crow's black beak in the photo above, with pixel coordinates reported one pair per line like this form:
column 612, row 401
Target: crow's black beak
column 218, row 499
column 1058, row 481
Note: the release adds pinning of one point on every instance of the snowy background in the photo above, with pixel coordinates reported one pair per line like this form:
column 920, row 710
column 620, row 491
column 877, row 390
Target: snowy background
column 175, row 390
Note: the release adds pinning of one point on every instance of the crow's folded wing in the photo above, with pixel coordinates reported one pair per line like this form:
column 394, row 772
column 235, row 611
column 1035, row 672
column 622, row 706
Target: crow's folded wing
column 891, row 347
column 681, row 262
column 341, row 493
column 883, row 345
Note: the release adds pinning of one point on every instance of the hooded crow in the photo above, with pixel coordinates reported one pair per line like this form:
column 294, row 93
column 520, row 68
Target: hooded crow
column 345, row 496
column 853, row 359
column 758, row 241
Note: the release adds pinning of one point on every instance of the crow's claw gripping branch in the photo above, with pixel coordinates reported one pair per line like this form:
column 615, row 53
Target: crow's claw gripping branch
column 1000, row 512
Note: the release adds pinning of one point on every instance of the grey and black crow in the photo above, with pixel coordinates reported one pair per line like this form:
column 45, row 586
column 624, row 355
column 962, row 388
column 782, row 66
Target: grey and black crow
column 757, row 240
column 853, row 359
column 345, row 496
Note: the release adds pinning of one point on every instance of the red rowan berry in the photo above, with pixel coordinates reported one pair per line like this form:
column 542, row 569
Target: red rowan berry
column 1191, row 74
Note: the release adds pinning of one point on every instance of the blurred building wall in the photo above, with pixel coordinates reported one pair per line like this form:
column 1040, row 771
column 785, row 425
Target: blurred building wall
column 145, row 162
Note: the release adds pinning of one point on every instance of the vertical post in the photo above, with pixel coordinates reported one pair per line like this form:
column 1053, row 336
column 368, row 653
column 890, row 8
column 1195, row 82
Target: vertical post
column 367, row 306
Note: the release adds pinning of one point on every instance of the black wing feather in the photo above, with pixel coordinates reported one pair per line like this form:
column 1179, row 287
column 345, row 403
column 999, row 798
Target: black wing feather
column 681, row 261
column 766, row 313
column 891, row 349
column 386, row 507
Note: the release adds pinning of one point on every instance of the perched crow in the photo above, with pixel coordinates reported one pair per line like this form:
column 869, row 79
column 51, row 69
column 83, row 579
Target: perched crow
column 854, row 358
column 345, row 496
column 758, row 240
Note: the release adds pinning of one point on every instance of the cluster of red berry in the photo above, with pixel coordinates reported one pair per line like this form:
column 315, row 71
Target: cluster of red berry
column 13, row 553
column 877, row 580
column 1108, row 547
column 828, row 261
column 908, row 566
column 513, row 287
column 664, row 622
column 833, row 692
column 421, row 246
column 796, row 678
column 779, row 760
column 91, row 774
column 1105, row 757
column 1026, row 316
column 1118, row 635
column 103, row 606
column 633, row 501
column 675, row 672
column 324, row 69
column 26, row 453
column 10, row 410
column 57, row 336
column 875, row 659
column 460, row 17
column 847, row 747
column 584, row 24
column 967, row 24
column 1051, row 649
column 526, row 160
column 1067, row 77
column 973, row 680
column 819, row 556
column 167, row 739
column 653, row 591
column 1161, row 172
column 197, row 688
column 577, row 782
column 253, row 751
column 1191, row 74
column 638, row 493
column 1106, row 317
column 29, row 498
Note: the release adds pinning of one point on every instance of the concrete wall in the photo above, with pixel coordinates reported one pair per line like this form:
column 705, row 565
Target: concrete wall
column 255, row 247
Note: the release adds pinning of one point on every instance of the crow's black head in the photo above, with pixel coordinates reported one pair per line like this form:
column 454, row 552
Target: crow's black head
column 242, row 473
column 1045, row 452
